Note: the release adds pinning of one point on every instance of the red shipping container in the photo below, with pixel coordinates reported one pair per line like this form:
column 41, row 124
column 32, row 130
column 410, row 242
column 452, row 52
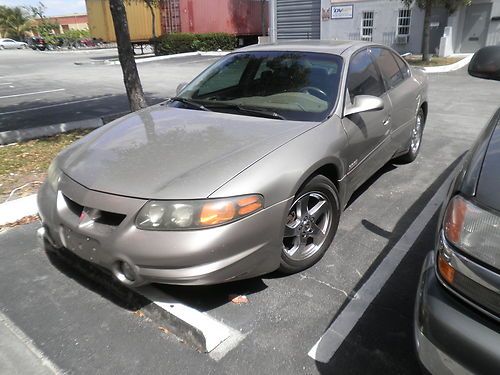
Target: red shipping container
column 238, row 17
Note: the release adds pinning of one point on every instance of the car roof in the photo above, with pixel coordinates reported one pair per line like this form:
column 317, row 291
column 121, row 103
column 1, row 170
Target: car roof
column 334, row 47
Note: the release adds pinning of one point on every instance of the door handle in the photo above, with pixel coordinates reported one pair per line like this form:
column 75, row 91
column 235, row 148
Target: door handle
column 387, row 121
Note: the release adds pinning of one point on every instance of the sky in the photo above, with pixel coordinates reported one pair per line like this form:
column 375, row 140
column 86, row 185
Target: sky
column 54, row 7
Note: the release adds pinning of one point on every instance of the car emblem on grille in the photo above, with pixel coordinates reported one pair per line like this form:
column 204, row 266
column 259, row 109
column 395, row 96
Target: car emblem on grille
column 88, row 216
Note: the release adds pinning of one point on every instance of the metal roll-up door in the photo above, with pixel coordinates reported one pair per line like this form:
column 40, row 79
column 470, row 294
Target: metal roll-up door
column 298, row 19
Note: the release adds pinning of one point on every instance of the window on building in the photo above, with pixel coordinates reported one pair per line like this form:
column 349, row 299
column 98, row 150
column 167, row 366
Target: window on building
column 404, row 17
column 367, row 26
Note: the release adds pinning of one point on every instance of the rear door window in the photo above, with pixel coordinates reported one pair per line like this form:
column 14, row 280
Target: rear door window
column 388, row 66
column 405, row 69
column 363, row 78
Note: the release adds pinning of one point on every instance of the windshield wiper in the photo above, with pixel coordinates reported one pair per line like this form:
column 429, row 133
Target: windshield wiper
column 244, row 109
column 189, row 103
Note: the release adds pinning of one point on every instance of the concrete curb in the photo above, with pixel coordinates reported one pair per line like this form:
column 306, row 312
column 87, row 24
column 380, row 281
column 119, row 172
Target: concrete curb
column 80, row 50
column 12, row 136
column 15, row 210
column 448, row 68
column 196, row 328
column 168, row 57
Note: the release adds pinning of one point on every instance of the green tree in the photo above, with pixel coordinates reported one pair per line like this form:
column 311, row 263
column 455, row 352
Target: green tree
column 426, row 5
column 131, row 77
column 14, row 22
column 37, row 10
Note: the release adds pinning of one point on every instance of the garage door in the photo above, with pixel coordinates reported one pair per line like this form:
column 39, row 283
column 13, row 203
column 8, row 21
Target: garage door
column 298, row 19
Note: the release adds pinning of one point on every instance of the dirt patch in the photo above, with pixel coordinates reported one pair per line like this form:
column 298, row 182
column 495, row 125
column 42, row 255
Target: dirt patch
column 25, row 220
column 23, row 166
column 416, row 60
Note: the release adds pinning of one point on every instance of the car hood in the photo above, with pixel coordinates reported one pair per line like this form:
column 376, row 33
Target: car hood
column 489, row 180
column 170, row 153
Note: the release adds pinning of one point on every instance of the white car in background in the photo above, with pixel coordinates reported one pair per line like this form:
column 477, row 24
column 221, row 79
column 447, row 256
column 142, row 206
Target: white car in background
column 6, row 43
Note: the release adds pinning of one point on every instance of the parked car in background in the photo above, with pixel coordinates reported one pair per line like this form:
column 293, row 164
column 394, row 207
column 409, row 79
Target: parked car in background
column 37, row 43
column 245, row 171
column 457, row 310
column 6, row 43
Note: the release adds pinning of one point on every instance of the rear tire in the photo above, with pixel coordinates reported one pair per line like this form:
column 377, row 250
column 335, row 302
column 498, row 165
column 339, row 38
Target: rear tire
column 415, row 139
column 312, row 222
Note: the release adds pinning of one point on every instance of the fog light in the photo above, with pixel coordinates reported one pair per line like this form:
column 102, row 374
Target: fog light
column 127, row 271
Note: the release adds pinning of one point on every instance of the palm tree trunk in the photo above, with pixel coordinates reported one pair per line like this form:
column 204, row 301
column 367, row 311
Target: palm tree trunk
column 126, row 56
column 427, row 31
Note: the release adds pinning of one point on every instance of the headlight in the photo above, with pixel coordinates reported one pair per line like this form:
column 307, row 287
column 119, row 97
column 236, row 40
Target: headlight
column 473, row 230
column 53, row 176
column 196, row 214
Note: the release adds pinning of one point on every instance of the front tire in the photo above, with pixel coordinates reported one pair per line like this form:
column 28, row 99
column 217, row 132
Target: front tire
column 415, row 138
column 311, row 224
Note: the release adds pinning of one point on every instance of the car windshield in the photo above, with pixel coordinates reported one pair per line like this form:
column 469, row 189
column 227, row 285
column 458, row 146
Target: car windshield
column 300, row 86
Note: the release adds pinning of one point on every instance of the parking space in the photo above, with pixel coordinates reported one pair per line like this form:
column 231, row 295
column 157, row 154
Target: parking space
column 46, row 88
column 350, row 314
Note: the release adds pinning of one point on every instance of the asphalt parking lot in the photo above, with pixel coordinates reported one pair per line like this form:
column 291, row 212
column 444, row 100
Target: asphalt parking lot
column 47, row 88
column 349, row 314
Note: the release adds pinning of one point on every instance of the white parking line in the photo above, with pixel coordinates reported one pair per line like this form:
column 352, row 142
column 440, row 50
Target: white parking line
column 328, row 344
column 51, row 106
column 20, row 335
column 31, row 93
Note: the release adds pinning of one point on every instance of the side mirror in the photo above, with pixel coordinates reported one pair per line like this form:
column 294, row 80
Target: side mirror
column 486, row 63
column 364, row 103
column 180, row 87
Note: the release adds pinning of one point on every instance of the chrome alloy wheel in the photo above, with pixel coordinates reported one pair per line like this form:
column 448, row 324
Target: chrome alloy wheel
column 308, row 223
column 416, row 134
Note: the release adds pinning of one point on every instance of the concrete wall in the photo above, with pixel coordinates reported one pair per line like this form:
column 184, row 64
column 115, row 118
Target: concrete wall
column 385, row 23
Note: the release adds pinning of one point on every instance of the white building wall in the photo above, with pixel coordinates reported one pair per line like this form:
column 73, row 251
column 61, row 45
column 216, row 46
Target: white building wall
column 457, row 20
column 494, row 28
column 385, row 23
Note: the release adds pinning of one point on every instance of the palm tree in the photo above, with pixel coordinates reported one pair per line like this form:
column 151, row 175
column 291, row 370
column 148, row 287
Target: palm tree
column 14, row 22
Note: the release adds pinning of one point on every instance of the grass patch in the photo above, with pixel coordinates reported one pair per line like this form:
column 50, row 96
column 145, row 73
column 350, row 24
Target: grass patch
column 416, row 60
column 26, row 163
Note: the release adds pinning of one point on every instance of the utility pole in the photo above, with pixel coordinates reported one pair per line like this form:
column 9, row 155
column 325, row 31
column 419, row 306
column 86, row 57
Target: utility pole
column 272, row 21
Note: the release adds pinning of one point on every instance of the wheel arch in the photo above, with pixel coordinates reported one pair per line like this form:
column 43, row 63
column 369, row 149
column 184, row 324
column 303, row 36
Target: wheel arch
column 330, row 169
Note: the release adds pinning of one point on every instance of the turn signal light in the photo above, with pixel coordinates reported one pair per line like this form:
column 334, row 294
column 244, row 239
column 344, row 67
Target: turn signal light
column 249, row 204
column 454, row 219
column 446, row 271
column 214, row 213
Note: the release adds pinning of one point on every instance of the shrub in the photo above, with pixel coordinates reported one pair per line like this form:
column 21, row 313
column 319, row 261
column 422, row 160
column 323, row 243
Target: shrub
column 186, row 42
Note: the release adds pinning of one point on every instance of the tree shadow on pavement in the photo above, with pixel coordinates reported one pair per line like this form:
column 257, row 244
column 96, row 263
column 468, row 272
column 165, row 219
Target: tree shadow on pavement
column 29, row 114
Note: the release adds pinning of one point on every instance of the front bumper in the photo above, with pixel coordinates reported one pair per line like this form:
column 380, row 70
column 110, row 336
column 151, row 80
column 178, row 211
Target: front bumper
column 452, row 337
column 247, row 248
